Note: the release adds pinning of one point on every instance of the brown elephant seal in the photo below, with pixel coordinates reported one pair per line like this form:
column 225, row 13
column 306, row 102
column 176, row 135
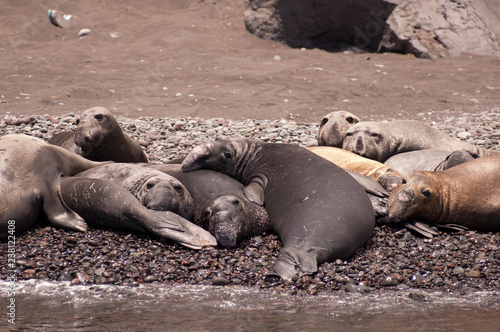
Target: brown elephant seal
column 30, row 183
column 154, row 189
column 333, row 127
column 428, row 160
column 98, row 137
column 318, row 210
column 467, row 195
column 106, row 204
column 220, row 205
column 381, row 140
column 386, row 176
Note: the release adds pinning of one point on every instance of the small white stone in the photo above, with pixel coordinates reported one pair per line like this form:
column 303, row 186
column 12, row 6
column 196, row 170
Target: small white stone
column 464, row 135
column 277, row 58
column 83, row 32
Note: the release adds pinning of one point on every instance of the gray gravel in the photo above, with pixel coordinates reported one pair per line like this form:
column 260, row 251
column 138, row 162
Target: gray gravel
column 393, row 259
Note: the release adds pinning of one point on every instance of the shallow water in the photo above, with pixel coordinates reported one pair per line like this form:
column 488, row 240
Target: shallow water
column 49, row 306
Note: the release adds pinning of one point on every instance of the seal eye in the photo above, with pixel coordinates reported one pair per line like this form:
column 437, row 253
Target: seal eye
column 236, row 202
column 227, row 155
column 323, row 122
column 348, row 134
column 375, row 135
column 350, row 119
column 206, row 214
column 426, row 193
column 178, row 188
column 150, row 185
column 403, row 181
column 77, row 121
column 99, row 116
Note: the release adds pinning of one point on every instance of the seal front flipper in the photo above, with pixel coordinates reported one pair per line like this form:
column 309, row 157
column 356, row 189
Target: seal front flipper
column 59, row 214
column 255, row 193
column 185, row 232
column 294, row 261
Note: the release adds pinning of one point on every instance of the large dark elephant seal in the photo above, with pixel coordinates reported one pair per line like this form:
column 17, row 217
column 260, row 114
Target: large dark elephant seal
column 467, row 195
column 106, row 204
column 428, row 160
column 154, row 189
column 381, row 140
column 333, row 127
column 98, row 137
column 30, row 182
column 220, row 205
column 388, row 177
column 319, row 211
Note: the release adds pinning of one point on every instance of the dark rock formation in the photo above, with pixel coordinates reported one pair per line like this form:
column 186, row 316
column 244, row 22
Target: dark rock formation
column 424, row 28
column 327, row 24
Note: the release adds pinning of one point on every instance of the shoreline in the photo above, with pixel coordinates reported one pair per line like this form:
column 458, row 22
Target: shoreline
column 393, row 259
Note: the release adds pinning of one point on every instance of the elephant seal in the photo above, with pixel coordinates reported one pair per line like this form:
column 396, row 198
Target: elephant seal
column 154, row 189
column 106, row 204
column 36, row 179
column 467, row 195
column 98, row 137
column 428, row 160
column 30, row 182
column 318, row 210
column 333, row 127
column 220, row 205
column 381, row 140
column 388, row 177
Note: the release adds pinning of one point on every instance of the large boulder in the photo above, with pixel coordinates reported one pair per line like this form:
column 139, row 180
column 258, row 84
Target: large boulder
column 429, row 28
column 326, row 24
column 426, row 28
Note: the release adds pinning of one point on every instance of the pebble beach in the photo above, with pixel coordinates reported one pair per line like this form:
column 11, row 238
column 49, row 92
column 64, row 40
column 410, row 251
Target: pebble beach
column 394, row 259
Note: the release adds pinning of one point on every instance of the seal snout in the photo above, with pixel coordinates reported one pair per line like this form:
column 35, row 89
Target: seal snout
column 225, row 228
column 406, row 195
column 193, row 160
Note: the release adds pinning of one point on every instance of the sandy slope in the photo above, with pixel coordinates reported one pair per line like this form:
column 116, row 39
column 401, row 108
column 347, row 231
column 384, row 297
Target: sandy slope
column 195, row 58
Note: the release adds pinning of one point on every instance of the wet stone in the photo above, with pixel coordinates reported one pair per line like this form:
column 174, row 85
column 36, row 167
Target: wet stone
column 220, row 281
column 356, row 288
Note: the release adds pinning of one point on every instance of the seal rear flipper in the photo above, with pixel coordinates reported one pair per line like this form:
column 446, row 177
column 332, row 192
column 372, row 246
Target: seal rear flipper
column 294, row 261
column 169, row 225
column 59, row 214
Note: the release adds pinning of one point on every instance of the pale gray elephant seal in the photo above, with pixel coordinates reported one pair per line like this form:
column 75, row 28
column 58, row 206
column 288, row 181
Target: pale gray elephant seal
column 30, row 183
column 154, row 189
column 318, row 210
column 381, row 140
column 106, row 204
column 220, row 205
column 428, row 160
column 98, row 137
column 467, row 195
column 35, row 180
column 333, row 127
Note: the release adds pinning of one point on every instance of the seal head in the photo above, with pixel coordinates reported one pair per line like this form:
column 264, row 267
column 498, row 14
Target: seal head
column 333, row 127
